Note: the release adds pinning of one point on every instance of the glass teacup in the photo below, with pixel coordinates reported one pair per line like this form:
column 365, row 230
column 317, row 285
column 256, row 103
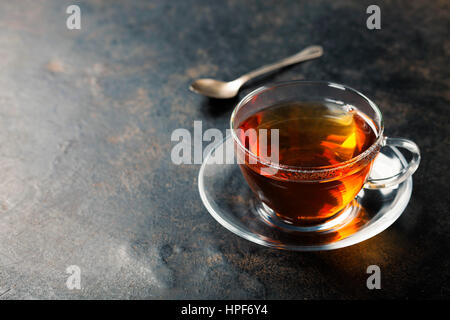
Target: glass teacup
column 321, row 167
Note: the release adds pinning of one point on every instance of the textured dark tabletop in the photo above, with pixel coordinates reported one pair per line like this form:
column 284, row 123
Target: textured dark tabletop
column 86, row 118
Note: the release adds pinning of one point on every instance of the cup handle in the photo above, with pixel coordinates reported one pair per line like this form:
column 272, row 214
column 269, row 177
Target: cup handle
column 405, row 173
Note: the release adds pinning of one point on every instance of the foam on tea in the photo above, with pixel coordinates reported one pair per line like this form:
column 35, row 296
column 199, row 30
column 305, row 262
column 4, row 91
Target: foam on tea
column 311, row 136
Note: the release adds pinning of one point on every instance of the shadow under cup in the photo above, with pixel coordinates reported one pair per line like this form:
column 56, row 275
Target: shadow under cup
column 310, row 196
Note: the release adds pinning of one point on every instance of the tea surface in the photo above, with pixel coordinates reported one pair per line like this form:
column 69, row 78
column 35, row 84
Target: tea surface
column 312, row 134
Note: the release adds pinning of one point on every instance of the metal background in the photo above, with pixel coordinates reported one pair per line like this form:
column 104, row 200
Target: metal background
column 85, row 122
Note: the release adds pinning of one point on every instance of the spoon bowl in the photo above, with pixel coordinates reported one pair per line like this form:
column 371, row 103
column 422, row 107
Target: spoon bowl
column 216, row 88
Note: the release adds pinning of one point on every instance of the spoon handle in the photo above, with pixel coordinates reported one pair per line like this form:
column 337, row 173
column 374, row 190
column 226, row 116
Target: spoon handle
column 308, row 53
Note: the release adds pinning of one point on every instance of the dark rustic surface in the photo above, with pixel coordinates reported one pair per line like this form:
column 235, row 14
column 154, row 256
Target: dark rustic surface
column 85, row 124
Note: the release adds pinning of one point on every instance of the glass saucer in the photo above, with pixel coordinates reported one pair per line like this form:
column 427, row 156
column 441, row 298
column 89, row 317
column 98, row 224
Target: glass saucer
column 230, row 201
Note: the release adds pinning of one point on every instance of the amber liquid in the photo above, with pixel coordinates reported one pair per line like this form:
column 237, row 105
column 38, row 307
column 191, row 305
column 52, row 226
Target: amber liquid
column 311, row 135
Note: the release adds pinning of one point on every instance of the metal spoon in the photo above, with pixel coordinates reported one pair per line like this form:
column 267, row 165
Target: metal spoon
column 222, row 90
